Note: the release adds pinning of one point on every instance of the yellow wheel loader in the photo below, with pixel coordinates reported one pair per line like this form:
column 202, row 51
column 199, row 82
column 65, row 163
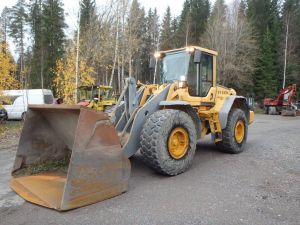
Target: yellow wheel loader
column 100, row 98
column 70, row 156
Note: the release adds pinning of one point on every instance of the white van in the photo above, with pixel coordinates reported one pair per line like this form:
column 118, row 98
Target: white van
column 18, row 101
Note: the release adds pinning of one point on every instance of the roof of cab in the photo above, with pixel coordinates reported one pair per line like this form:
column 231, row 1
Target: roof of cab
column 195, row 47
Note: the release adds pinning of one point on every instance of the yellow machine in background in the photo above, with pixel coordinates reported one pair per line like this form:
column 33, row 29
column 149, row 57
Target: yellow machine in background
column 100, row 98
column 71, row 156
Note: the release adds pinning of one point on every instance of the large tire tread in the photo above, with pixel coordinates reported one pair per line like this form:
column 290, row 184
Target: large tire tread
column 228, row 144
column 155, row 135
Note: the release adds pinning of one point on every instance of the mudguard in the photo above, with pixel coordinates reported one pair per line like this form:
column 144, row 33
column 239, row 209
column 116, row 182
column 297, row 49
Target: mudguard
column 229, row 102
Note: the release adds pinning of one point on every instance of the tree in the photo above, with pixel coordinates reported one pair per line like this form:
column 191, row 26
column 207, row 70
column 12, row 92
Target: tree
column 36, row 79
column 166, row 31
column 149, row 44
column 265, row 82
column 64, row 76
column 193, row 21
column 134, row 33
column 290, row 42
column 17, row 29
column 4, row 24
column 88, row 14
column 230, row 33
column 175, row 40
column 7, row 69
column 264, row 14
column 53, row 37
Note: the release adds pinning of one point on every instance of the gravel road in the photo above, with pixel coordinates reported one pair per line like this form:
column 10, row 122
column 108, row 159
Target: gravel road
column 258, row 186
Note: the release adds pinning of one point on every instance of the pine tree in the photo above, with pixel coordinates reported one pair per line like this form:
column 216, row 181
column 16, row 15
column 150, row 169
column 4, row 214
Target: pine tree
column 149, row 44
column 265, row 83
column 166, row 31
column 193, row 21
column 36, row 79
column 175, row 41
column 53, row 37
column 88, row 14
column 17, row 29
column 264, row 14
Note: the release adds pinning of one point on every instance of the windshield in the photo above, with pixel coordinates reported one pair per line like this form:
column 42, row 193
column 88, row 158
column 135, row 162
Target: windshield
column 175, row 65
column 106, row 94
column 88, row 93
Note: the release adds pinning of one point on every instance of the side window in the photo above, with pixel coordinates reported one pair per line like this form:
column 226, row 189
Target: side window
column 19, row 101
column 206, row 74
column 48, row 99
column 192, row 78
column 200, row 76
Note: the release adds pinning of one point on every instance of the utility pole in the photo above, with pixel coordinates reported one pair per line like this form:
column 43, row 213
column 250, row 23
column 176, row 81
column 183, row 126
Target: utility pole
column 77, row 57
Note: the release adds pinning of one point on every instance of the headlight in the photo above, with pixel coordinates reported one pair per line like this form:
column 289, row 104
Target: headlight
column 157, row 55
column 190, row 49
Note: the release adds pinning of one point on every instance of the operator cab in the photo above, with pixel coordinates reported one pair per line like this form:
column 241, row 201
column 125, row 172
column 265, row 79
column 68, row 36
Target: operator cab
column 192, row 64
column 95, row 93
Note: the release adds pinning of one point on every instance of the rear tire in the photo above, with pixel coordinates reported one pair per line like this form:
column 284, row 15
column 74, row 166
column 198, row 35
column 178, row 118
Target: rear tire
column 155, row 141
column 232, row 142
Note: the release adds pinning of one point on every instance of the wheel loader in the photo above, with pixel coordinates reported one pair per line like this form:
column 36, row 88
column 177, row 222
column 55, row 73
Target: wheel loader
column 72, row 156
column 100, row 97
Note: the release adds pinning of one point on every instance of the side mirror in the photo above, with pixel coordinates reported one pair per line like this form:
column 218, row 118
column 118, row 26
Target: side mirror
column 197, row 56
column 152, row 63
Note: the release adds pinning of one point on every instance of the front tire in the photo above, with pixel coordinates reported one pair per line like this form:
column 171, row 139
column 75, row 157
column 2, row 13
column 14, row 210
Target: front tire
column 168, row 141
column 234, row 136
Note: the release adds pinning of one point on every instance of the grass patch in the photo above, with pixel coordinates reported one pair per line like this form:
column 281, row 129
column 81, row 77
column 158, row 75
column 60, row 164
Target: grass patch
column 10, row 128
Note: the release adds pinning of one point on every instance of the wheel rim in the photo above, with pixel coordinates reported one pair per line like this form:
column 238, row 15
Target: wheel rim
column 239, row 132
column 178, row 143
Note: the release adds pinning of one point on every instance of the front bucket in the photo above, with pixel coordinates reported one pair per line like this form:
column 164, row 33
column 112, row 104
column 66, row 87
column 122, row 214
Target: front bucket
column 68, row 157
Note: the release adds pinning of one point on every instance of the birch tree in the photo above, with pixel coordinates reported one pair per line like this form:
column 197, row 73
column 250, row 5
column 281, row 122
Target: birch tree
column 230, row 33
column 290, row 43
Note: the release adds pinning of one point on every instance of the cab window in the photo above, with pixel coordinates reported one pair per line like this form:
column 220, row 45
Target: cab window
column 200, row 76
column 206, row 74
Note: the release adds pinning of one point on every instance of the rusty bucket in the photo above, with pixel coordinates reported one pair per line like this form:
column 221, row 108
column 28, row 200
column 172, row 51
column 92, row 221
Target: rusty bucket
column 68, row 157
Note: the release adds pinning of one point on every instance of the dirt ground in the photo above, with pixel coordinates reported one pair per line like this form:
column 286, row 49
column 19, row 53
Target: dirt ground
column 259, row 186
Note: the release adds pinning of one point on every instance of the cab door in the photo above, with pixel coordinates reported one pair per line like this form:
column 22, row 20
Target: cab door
column 200, row 77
